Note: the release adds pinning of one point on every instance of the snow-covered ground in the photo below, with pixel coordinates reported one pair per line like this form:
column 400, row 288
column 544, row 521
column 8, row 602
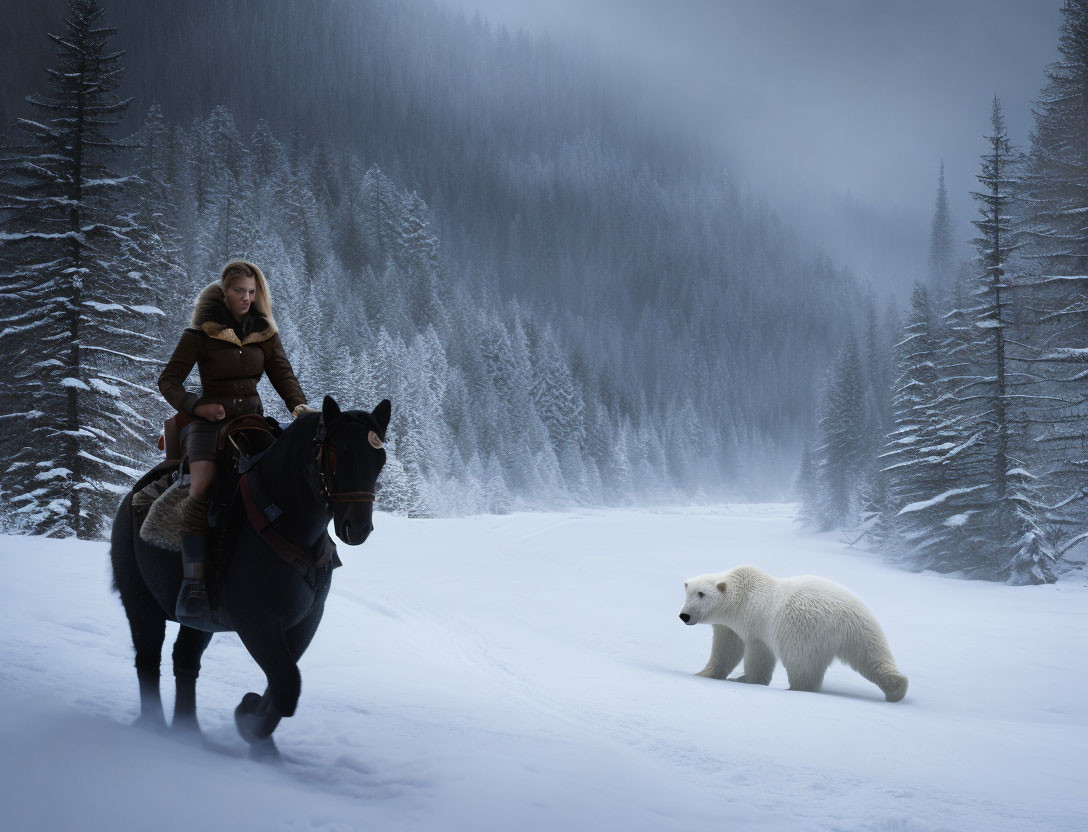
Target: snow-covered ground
column 529, row 672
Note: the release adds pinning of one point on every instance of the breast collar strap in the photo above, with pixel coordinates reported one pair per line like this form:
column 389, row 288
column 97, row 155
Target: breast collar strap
column 262, row 512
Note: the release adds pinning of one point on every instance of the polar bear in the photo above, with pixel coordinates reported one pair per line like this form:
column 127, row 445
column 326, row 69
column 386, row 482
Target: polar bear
column 804, row 621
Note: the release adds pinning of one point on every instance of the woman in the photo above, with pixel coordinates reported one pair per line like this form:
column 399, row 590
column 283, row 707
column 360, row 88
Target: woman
column 233, row 340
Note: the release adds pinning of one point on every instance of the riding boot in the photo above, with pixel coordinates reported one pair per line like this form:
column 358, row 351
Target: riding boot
column 192, row 607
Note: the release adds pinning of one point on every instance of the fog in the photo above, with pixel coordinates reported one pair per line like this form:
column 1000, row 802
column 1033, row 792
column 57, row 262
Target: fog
column 526, row 242
column 837, row 112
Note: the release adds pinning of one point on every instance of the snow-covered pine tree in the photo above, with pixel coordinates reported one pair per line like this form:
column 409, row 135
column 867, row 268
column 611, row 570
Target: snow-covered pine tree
column 557, row 399
column 623, row 482
column 420, row 262
column 347, row 229
column 879, row 361
column 1052, row 202
column 325, row 180
column 226, row 216
column 233, row 230
column 942, row 257
column 228, row 150
column 941, row 484
column 1014, row 519
column 1056, row 178
column 304, row 218
column 74, row 310
column 267, row 154
column 155, row 244
column 382, row 218
column 911, row 466
column 844, row 434
column 958, row 494
column 807, row 487
column 518, row 432
column 423, row 444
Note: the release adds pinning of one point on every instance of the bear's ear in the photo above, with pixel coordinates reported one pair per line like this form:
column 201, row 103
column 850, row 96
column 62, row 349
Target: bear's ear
column 721, row 587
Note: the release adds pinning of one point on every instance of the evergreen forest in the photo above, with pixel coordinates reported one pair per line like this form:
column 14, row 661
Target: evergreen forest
column 567, row 303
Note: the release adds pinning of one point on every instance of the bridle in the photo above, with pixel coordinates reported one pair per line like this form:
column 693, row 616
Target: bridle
column 325, row 457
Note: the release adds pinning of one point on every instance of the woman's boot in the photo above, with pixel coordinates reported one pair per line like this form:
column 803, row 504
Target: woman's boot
column 192, row 608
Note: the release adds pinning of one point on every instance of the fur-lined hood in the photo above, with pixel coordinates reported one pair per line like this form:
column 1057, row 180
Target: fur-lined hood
column 211, row 316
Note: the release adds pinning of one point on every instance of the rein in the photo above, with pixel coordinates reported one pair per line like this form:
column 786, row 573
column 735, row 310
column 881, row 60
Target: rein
column 262, row 512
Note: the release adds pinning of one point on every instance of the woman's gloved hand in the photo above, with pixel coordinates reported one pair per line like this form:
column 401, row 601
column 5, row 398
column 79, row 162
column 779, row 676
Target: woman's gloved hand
column 212, row 412
column 299, row 409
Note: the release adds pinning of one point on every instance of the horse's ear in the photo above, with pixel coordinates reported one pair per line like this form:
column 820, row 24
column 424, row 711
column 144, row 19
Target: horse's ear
column 381, row 414
column 329, row 409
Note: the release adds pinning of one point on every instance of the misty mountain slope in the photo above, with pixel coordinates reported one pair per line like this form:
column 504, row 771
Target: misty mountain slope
column 530, row 671
column 548, row 181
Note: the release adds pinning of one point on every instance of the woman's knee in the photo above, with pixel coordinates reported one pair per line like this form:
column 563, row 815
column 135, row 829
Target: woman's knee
column 201, row 475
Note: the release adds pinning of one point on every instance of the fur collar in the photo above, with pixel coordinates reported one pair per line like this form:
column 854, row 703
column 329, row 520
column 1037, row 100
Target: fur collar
column 212, row 316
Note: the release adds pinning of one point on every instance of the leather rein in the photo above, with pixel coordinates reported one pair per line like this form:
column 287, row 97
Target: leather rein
column 262, row 512
column 325, row 457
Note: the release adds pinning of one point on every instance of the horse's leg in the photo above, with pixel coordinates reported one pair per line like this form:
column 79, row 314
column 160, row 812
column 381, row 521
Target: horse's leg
column 300, row 636
column 257, row 716
column 188, row 648
column 146, row 620
column 148, row 626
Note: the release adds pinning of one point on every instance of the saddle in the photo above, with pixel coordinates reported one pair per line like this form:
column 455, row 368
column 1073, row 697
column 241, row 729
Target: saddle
column 241, row 442
column 157, row 496
column 248, row 435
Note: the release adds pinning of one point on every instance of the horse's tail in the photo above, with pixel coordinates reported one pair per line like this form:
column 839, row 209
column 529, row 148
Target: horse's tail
column 122, row 554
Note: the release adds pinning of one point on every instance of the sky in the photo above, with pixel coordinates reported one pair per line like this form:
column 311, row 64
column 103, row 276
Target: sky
column 838, row 112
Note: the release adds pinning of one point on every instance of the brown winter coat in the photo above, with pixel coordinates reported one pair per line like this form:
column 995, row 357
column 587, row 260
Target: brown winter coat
column 230, row 357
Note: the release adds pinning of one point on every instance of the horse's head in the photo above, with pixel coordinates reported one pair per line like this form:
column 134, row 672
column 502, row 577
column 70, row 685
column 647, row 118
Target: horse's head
column 350, row 455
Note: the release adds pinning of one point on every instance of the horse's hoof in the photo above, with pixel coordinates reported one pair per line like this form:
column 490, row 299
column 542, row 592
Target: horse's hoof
column 265, row 751
column 246, row 719
column 146, row 722
column 249, row 704
column 187, row 729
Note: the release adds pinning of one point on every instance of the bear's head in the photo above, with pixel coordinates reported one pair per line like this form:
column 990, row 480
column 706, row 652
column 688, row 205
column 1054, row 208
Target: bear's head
column 704, row 594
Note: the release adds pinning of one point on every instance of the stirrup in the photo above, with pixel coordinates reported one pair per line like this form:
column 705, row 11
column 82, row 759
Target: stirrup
column 192, row 608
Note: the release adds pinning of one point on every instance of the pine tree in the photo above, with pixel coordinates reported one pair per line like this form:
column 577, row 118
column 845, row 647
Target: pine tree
column 941, row 483
column 1014, row 516
column 304, row 219
column 1051, row 206
column 558, row 402
column 268, row 157
column 844, row 438
column 226, row 208
column 994, row 247
column 156, row 243
column 879, row 346
column 382, row 218
column 807, row 487
column 347, row 235
column 911, row 464
column 941, row 241
column 957, row 494
column 419, row 260
column 154, row 256
column 1056, row 182
column 73, row 309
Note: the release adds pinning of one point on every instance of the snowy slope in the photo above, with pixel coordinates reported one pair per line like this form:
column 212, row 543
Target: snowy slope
column 530, row 672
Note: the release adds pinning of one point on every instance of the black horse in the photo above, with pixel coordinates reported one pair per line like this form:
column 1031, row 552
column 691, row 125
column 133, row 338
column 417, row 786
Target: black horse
column 322, row 467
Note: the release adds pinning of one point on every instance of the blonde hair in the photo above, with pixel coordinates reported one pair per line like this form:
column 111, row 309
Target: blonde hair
column 262, row 300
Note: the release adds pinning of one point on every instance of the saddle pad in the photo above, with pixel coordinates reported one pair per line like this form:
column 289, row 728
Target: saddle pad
column 162, row 526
